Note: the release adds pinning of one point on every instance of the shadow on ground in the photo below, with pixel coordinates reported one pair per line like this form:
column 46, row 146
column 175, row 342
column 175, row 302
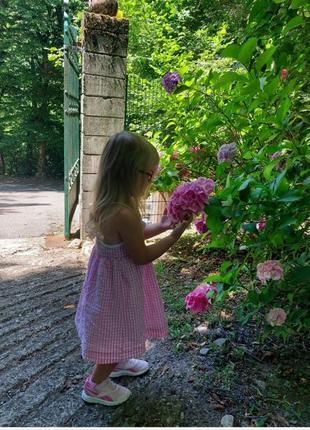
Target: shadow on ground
column 42, row 372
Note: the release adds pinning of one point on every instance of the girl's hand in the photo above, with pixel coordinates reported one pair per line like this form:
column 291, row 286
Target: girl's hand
column 179, row 229
column 166, row 223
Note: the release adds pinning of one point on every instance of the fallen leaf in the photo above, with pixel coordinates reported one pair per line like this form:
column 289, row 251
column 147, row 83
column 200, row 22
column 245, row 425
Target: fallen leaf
column 69, row 306
column 216, row 398
column 164, row 370
column 217, row 406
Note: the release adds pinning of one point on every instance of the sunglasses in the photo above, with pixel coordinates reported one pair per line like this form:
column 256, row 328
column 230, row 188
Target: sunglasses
column 148, row 174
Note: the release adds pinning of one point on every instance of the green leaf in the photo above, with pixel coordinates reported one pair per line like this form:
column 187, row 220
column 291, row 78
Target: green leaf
column 262, row 82
column 253, row 297
column 172, row 173
column 228, row 181
column 292, row 196
column 276, row 183
column 248, row 155
column 199, row 73
column 247, row 50
column 225, row 265
column 293, row 23
column 214, row 213
column 306, row 182
column 180, row 88
column 213, row 121
column 288, row 220
column 267, row 171
column 299, row 275
column 297, row 3
column 245, row 184
column 283, row 109
column 277, row 238
column 265, row 57
column 250, row 227
column 231, row 51
column 258, row 7
column 290, row 298
column 251, row 88
column 217, row 244
column 228, row 78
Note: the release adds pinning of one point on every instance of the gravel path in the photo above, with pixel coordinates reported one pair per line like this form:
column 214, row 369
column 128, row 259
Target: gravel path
column 40, row 365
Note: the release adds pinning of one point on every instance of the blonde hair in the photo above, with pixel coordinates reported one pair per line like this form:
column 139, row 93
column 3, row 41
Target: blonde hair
column 123, row 156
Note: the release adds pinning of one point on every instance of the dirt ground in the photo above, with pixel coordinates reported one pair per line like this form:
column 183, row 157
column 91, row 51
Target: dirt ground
column 192, row 380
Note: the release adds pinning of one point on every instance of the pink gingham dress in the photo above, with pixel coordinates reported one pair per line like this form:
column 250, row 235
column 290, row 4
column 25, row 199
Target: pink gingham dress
column 119, row 307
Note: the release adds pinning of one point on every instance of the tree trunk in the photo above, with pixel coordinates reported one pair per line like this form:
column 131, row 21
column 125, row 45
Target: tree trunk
column 29, row 157
column 2, row 164
column 41, row 160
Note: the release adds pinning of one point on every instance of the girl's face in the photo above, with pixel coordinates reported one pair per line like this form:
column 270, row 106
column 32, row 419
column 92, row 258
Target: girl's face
column 145, row 178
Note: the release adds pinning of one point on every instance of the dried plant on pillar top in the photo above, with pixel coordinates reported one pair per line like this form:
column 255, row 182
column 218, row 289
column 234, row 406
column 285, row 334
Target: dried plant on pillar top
column 104, row 7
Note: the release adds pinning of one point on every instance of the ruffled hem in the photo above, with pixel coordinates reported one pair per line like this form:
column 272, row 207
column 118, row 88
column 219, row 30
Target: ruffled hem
column 106, row 357
column 156, row 334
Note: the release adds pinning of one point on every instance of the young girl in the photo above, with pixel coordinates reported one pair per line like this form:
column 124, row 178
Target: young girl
column 120, row 305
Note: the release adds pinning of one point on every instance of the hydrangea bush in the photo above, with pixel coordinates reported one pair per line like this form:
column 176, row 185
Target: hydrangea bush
column 247, row 129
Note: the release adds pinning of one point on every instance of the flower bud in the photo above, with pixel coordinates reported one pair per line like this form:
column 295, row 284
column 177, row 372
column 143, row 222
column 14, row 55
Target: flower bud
column 284, row 74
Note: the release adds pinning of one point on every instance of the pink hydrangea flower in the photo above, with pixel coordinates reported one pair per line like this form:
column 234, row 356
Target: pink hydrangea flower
column 261, row 225
column 227, row 152
column 194, row 149
column 189, row 198
column 175, row 155
column 200, row 224
column 284, row 74
column 183, row 170
column 276, row 317
column 270, row 269
column 198, row 301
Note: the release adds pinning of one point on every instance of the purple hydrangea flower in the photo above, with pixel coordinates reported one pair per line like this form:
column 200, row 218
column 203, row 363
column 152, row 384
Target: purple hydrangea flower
column 275, row 155
column 170, row 81
column 200, row 224
column 227, row 152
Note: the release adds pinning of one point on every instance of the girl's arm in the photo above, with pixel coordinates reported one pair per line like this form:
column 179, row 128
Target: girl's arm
column 129, row 228
column 151, row 230
column 165, row 224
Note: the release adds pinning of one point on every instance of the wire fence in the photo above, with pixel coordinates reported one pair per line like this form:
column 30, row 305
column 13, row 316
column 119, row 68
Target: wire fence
column 144, row 104
column 144, row 109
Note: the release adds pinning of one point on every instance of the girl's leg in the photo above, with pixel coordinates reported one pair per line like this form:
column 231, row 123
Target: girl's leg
column 100, row 389
column 101, row 372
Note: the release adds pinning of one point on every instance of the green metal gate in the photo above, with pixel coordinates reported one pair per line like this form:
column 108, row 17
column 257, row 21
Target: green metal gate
column 71, row 122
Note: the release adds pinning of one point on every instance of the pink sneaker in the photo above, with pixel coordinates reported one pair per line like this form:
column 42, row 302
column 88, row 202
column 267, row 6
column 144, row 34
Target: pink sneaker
column 107, row 393
column 131, row 367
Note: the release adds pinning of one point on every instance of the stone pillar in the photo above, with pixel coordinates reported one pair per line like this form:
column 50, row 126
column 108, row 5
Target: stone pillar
column 104, row 41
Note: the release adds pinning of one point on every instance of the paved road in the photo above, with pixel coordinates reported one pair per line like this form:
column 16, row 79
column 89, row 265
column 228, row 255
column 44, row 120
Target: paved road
column 29, row 208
